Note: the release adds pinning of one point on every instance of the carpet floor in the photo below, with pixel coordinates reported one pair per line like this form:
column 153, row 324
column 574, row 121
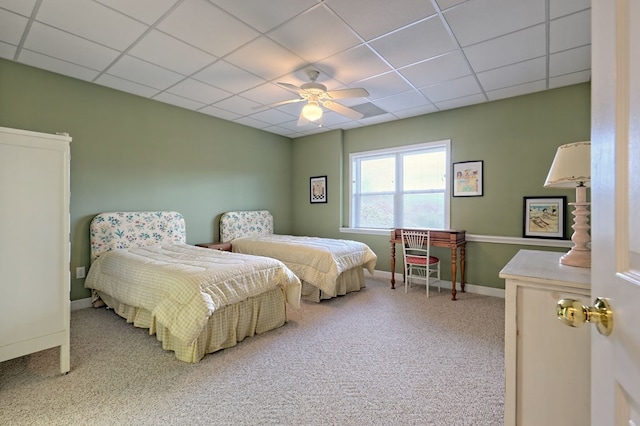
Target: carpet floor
column 374, row 357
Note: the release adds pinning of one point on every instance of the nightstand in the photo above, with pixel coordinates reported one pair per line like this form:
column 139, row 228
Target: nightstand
column 216, row 246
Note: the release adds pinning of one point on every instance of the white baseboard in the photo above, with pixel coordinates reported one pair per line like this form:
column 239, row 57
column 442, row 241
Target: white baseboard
column 80, row 304
column 469, row 288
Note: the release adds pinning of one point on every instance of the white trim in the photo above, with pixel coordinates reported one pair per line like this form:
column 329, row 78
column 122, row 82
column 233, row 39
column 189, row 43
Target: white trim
column 468, row 288
column 80, row 304
column 496, row 239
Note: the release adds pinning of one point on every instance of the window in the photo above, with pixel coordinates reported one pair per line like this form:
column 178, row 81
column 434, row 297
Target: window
column 405, row 187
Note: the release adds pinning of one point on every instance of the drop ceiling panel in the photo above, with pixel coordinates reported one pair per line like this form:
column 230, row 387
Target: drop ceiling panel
column 207, row 27
column 479, row 20
column 374, row 18
column 412, row 44
column 315, row 35
column 92, row 21
column 225, row 57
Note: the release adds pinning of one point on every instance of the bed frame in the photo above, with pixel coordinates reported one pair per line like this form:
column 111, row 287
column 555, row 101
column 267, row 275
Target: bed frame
column 249, row 223
column 225, row 328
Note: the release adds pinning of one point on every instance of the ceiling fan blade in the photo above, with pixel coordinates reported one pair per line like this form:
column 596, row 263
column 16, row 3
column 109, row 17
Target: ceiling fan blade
column 290, row 101
column 343, row 110
column 348, row 93
column 290, row 87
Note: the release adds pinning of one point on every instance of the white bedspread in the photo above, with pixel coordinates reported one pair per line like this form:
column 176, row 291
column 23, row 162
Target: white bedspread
column 318, row 261
column 182, row 285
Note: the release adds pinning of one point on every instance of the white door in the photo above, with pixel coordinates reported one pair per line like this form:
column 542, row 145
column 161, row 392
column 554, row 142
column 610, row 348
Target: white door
column 615, row 137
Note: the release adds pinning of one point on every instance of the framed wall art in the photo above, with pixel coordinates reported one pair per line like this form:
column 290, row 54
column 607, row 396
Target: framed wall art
column 468, row 179
column 544, row 217
column 318, row 189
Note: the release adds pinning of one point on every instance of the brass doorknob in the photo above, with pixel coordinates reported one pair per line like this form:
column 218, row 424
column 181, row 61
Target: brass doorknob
column 573, row 313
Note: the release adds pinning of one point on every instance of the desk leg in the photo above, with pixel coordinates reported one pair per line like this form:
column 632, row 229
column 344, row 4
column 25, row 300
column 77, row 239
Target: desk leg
column 463, row 278
column 393, row 265
column 454, row 266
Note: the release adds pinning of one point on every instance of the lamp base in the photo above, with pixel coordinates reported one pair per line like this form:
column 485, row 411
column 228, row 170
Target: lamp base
column 576, row 257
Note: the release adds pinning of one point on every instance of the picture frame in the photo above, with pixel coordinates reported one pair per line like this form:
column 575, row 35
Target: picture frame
column 468, row 179
column 544, row 217
column 318, row 189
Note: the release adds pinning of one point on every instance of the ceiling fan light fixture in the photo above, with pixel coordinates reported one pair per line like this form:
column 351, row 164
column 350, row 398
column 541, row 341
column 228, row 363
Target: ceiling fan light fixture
column 312, row 111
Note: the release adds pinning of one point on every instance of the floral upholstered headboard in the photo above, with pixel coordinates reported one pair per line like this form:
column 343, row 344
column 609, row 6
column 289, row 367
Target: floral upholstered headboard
column 119, row 230
column 244, row 224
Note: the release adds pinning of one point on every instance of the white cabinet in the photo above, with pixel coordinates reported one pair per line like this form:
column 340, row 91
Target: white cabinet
column 34, row 244
column 547, row 363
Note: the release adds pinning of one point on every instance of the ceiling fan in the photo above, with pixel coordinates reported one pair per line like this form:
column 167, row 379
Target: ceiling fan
column 318, row 96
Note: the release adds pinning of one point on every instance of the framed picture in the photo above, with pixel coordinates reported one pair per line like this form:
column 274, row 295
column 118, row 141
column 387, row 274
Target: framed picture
column 318, row 189
column 544, row 217
column 468, row 179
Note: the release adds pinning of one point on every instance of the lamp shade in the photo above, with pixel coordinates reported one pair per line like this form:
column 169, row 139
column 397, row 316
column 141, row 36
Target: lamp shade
column 571, row 166
column 312, row 111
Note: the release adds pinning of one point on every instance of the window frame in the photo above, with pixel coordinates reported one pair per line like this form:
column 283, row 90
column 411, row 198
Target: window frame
column 446, row 144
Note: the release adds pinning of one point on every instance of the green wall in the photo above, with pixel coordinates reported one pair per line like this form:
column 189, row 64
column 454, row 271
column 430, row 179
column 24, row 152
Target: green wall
column 517, row 140
column 131, row 153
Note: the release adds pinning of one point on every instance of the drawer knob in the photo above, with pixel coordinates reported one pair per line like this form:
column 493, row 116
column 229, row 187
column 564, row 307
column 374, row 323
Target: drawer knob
column 573, row 313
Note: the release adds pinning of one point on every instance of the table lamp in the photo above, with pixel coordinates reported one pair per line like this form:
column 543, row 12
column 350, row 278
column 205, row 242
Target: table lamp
column 572, row 168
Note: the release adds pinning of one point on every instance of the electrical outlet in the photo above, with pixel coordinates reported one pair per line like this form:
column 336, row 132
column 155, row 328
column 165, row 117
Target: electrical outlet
column 80, row 272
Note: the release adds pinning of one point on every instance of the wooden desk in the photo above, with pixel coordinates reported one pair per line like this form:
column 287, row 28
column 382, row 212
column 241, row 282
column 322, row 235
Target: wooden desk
column 439, row 238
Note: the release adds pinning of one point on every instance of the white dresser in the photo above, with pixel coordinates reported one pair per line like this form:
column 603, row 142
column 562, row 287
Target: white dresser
column 34, row 244
column 547, row 363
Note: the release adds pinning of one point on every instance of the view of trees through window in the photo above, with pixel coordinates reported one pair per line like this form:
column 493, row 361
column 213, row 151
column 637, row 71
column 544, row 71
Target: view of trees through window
column 401, row 188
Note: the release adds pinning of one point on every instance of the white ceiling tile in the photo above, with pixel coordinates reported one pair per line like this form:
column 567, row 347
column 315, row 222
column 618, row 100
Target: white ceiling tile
column 12, row 27
column 23, row 7
column 142, row 72
column 353, row 65
column 446, row 4
column 412, row 112
column 7, row 51
column 168, row 52
column 564, row 7
column 523, row 72
column 269, row 93
column 461, row 102
column 169, row 98
column 37, row 60
column 92, row 21
column 445, row 67
column 265, row 58
column 377, row 17
column 570, row 31
column 570, row 79
column 415, row 43
column 230, row 77
column 272, row 116
column 479, row 20
column 401, row 101
column 570, row 61
column 237, row 104
column 197, row 91
column 385, row 85
column 220, row 113
column 452, row 89
column 207, row 27
column 252, row 122
column 265, row 15
column 59, row 44
column 147, row 11
column 522, row 89
column 515, row 47
column 126, row 86
column 315, row 35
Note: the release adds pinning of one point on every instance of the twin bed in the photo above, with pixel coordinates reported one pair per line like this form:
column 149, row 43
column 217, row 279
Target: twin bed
column 197, row 300
column 327, row 267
